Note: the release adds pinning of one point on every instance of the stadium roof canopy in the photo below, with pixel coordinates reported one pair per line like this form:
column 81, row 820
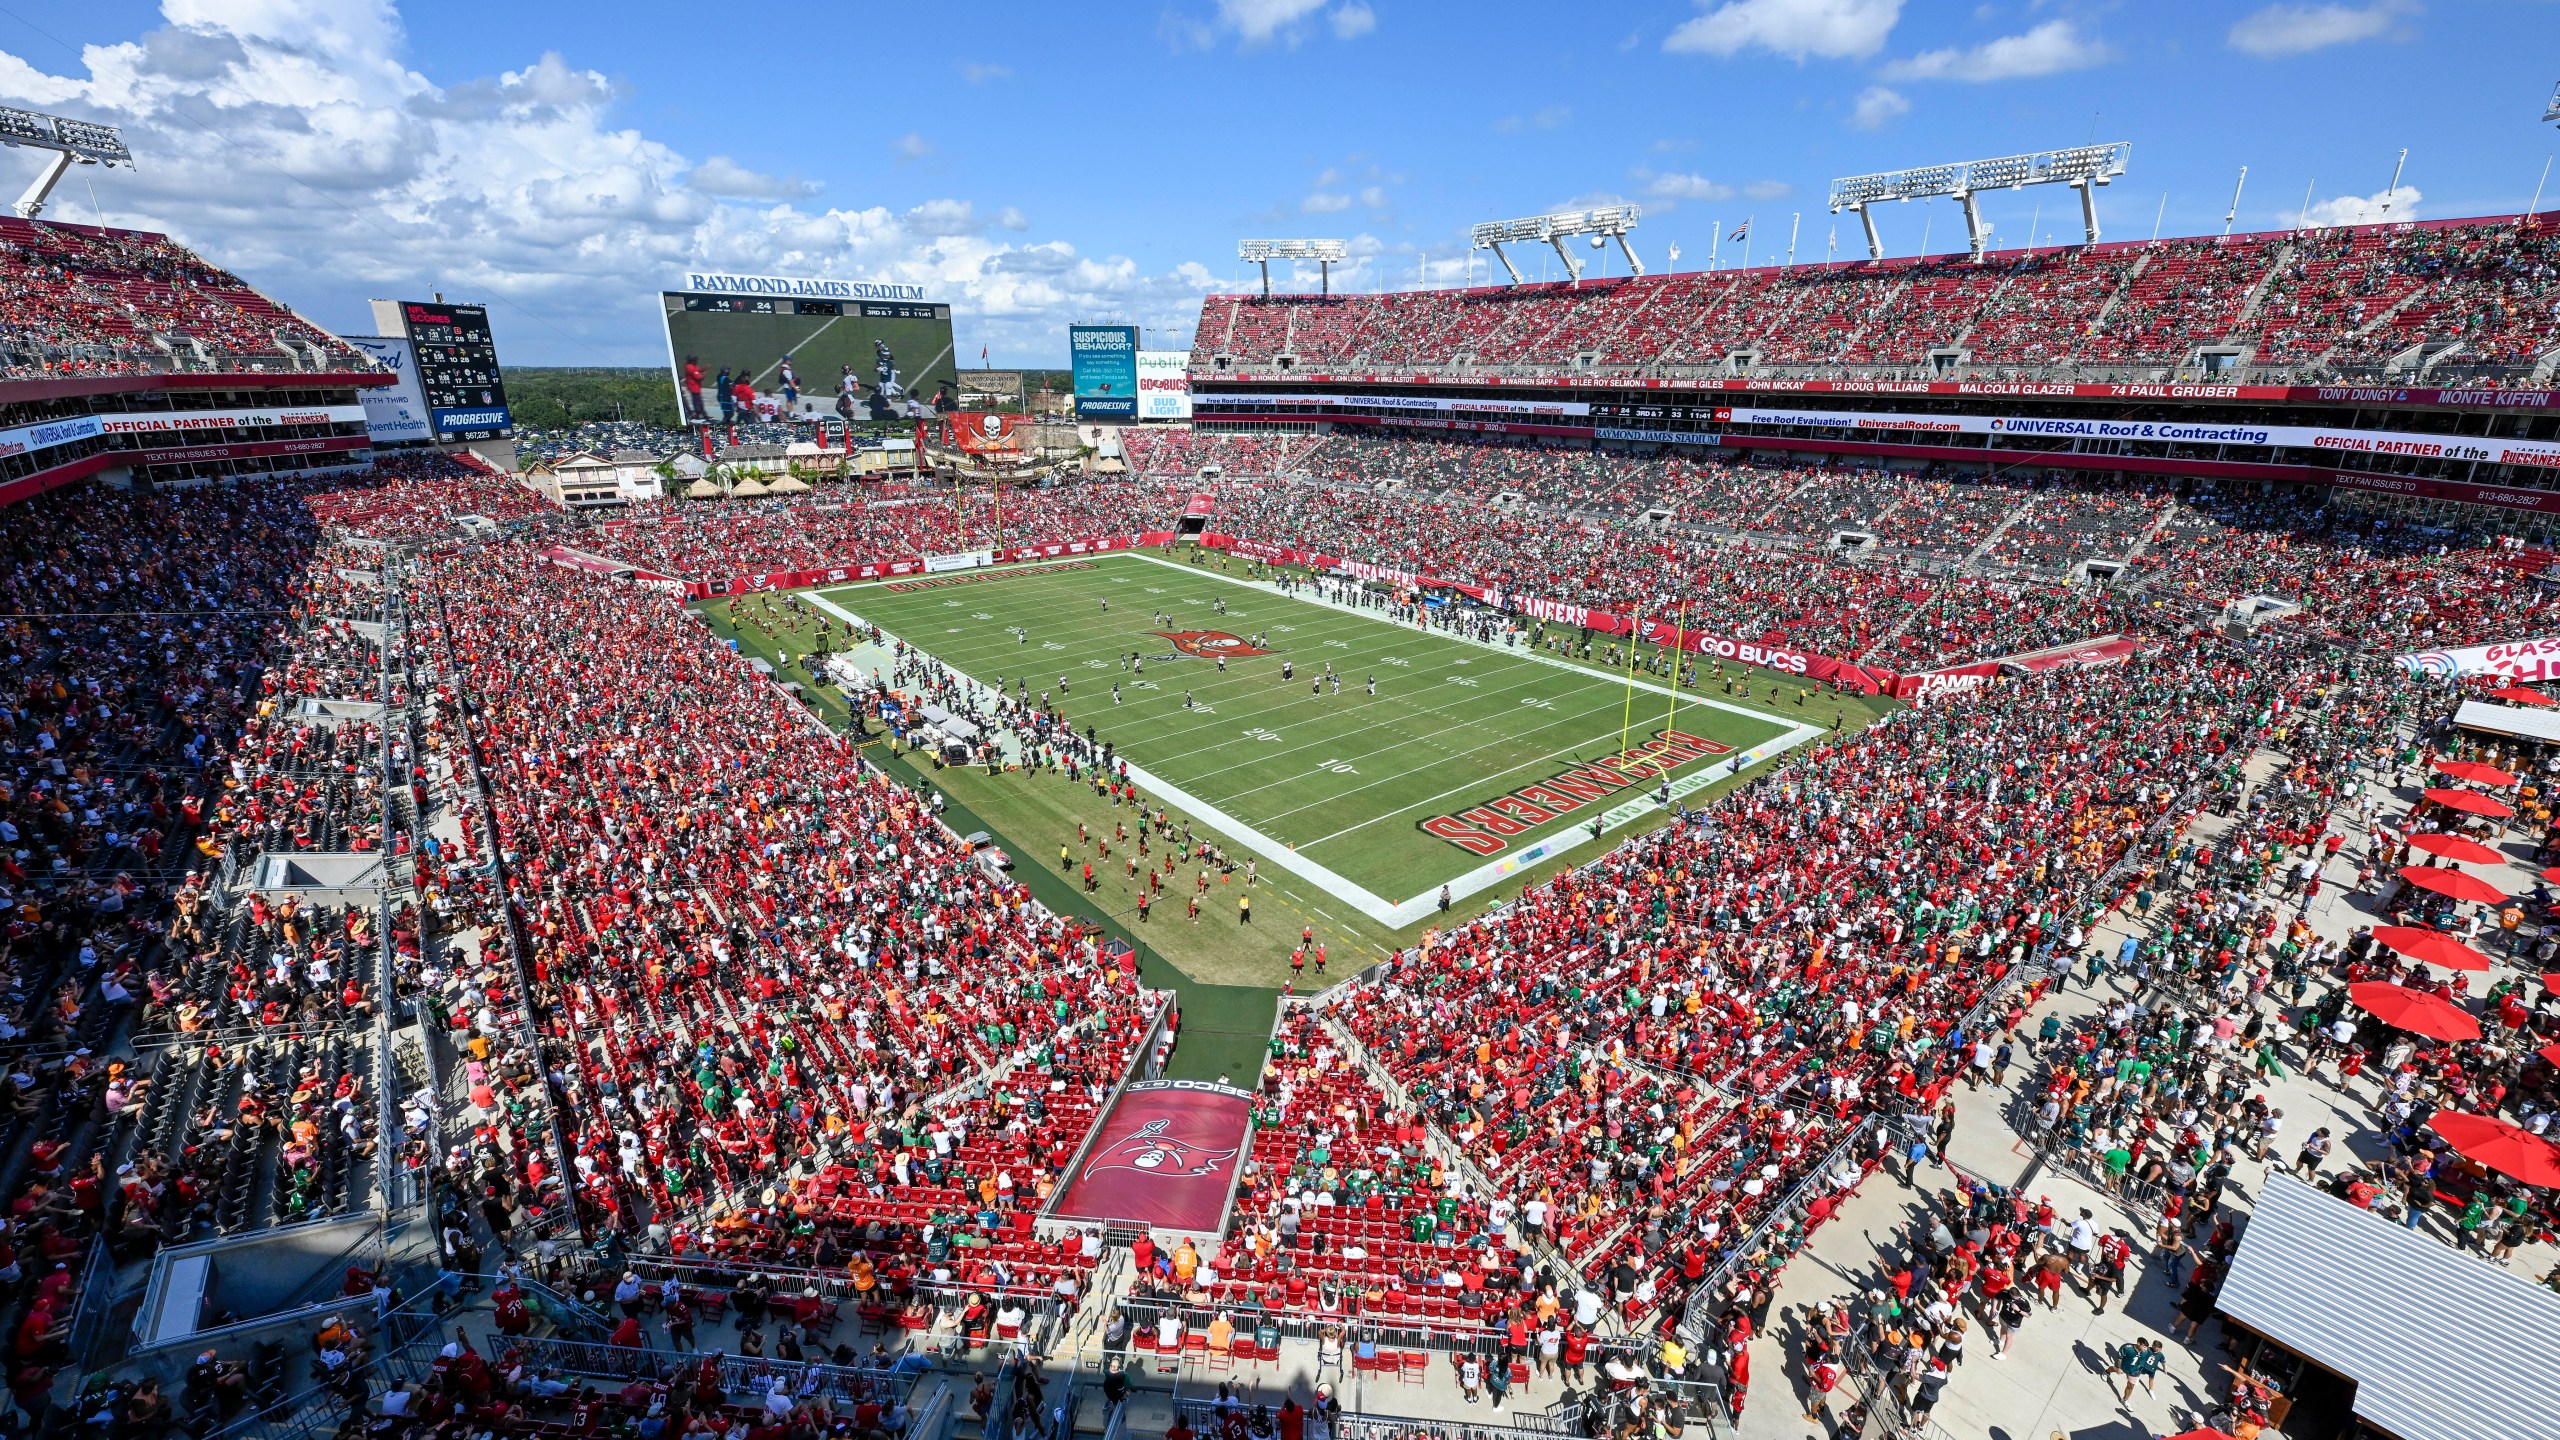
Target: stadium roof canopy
column 2441, row 1345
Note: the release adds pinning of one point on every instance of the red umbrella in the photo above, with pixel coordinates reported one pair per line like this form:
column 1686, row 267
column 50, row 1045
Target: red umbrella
column 2415, row 1011
column 2477, row 772
column 2523, row 695
column 2551, row 982
column 2430, row 946
column 2508, row 1149
column 2552, row 874
column 2452, row 884
column 2471, row 802
column 2455, row 847
column 2550, row 1053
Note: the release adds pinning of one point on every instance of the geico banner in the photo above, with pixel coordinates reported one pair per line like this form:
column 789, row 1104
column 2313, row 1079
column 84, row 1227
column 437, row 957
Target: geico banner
column 1164, row 384
column 179, row 422
column 2526, row 660
column 1419, row 404
column 2265, row 437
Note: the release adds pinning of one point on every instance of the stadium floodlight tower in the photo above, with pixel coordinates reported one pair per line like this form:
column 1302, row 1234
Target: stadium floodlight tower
column 1326, row 254
column 71, row 141
column 2082, row 167
column 1610, row 222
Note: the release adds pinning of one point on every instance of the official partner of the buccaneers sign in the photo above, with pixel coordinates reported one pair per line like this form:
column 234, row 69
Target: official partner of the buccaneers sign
column 1490, row 828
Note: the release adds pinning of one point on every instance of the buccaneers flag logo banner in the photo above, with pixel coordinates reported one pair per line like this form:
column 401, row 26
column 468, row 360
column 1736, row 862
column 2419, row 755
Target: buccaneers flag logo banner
column 1151, row 1150
column 1165, row 1155
column 1209, row 644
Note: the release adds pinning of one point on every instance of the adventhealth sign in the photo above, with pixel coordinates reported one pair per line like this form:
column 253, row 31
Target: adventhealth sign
column 796, row 287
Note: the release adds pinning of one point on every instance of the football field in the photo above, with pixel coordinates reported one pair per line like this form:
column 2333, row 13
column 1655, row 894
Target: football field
column 1470, row 763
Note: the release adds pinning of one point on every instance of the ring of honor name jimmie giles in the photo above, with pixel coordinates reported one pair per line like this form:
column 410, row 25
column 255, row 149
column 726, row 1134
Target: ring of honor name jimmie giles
column 1489, row 829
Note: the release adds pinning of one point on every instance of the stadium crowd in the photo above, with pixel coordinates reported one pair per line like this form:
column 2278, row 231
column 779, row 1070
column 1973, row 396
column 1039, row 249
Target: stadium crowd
column 76, row 298
column 2327, row 301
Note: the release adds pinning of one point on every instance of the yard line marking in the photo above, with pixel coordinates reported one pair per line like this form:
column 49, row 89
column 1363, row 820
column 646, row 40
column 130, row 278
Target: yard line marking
column 1528, row 851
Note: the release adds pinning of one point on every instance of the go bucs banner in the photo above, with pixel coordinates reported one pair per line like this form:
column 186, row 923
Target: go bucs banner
column 1167, row 1155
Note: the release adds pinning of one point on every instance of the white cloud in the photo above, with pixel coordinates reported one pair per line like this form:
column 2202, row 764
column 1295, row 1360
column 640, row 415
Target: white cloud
column 2365, row 209
column 979, row 73
column 1260, row 21
column 1831, row 29
column 1352, row 21
column 2296, row 29
column 1374, row 196
column 721, row 175
column 1767, row 189
column 1877, row 105
column 1685, row 187
column 339, row 174
column 2049, row 49
column 910, row 148
column 1551, row 117
column 1322, row 203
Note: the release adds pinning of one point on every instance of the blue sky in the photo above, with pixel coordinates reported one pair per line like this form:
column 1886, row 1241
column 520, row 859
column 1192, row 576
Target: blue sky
column 1041, row 165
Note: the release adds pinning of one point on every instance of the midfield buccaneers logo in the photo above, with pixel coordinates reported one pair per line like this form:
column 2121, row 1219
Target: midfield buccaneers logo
column 1210, row 644
column 1155, row 1153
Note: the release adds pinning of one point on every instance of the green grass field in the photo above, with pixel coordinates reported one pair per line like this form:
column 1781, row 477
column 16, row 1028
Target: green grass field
column 1469, row 763
column 1226, row 972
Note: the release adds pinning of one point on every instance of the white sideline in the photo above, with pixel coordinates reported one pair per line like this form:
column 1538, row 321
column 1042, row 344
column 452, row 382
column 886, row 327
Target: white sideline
column 1395, row 914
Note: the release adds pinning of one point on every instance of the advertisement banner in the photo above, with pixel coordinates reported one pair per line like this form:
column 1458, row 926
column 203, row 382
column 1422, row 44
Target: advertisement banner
column 2079, row 655
column 1657, row 437
column 1419, row 404
column 46, row 434
column 394, row 414
column 892, row 567
column 180, row 422
column 2395, row 396
column 1167, row 1154
column 2295, row 437
column 184, row 454
column 2523, row 661
column 1164, row 384
column 1865, row 680
column 987, row 433
column 1106, row 371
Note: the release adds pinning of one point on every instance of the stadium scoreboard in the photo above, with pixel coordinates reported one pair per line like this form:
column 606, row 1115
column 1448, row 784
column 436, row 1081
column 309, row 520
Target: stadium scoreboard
column 855, row 351
column 457, row 366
